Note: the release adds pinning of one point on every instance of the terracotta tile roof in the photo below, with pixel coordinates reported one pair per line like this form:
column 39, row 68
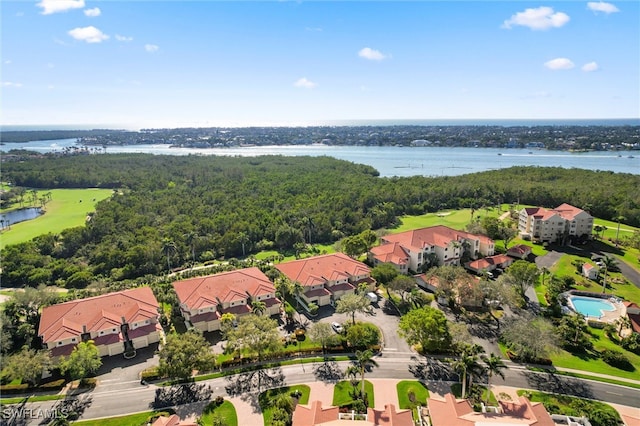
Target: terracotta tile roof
column 314, row 414
column 144, row 330
column 341, row 287
column 497, row 260
column 587, row 267
column 390, row 253
column 440, row 236
column 318, row 292
column 389, row 416
column 520, row 249
column 67, row 319
column 226, row 287
column 452, row 412
column 320, row 269
column 567, row 211
column 449, row 411
column 206, row 317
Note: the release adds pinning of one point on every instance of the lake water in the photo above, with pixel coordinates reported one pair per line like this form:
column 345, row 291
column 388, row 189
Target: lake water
column 20, row 215
column 395, row 161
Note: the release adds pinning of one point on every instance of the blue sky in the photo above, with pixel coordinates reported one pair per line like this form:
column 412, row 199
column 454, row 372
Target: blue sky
column 210, row 63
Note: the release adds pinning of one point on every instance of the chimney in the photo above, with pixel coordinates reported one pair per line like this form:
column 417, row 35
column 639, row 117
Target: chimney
column 84, row 329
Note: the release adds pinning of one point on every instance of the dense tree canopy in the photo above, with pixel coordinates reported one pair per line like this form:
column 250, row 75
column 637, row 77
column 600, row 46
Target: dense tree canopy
column 169, row 211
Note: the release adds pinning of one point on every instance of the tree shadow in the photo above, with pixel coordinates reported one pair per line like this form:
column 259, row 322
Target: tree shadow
column 249, row 385
column 432, row 369
column 553, row 383
column 180, row 395
column 328, row 372
column 389, row 308
column 71, row 408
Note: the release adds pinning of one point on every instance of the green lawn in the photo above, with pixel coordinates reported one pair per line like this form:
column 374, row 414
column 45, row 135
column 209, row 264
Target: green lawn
column 456, row 390
column 456, row 219
column 226, row 410
column 33, row 398
column 68, row 208
column 267, row 396
column 342, row 393
column 137, row 419
column 407, row 387
column 589, row 363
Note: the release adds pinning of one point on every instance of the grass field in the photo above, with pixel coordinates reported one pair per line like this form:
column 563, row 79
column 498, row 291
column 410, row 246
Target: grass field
column 407, row 387
column 138, row 419
column 68, row 208
column 342, row 393
column 267, row 397
column 591, row 364
column 226, row 410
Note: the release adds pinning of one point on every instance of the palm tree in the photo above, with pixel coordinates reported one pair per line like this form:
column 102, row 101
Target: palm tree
column 494, row 366
column 258, row 307
column 467, row 363
column 609, row 263
column 297, row 291
column 364, row 360
column 168, row 246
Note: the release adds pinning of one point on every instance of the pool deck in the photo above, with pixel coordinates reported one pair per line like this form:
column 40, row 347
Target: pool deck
column 607, row 316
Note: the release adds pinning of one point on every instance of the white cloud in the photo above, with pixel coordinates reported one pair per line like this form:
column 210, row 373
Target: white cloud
column 600, row 6
column 304, row 83
column 92, row 13
column 151, row 48
column 371, row 54
column 55, row 6
column 541, row 18
column 89, row 34
column 11, row 84
column 559, row 64
column 123, row 38
column 7, row 62
column 590, row 67
column 314, row 29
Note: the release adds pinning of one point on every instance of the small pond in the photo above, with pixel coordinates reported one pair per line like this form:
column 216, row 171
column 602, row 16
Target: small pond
column 15, row 216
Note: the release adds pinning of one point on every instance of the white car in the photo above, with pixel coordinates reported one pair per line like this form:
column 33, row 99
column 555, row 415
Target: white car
column 337, row 327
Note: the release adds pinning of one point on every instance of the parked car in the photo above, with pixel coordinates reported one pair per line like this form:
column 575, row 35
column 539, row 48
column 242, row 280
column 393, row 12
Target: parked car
column 373, row 298
column 337, row 327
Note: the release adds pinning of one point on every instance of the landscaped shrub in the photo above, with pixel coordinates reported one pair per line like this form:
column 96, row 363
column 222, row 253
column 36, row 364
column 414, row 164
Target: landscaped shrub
column 150, row 373
column 632, row 343
column 616, row 359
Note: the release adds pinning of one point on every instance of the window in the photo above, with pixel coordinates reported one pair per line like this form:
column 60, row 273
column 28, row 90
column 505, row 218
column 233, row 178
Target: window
column 73, row 339
column 59, row 343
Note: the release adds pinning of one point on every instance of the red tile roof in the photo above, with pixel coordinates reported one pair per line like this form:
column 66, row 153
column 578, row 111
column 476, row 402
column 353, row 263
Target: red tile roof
column 226, row 287
column 440, row 236
column 65, row 320
column 320, row 269
column 568, row 211
column 634, row 319
column 452, row 412
column 520, row 250
column 497, row 260
column 314, row 414
column 389, row 416
column 390, row 253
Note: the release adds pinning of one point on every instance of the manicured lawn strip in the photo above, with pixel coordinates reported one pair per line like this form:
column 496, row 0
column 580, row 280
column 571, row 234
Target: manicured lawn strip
column 587, row 377
column 568, row 405
column 226, row 410
column 411, row 386
column 63, row 211
column 612, row 228
column 136, row 419
column 35, row 398
column 342, row 393
column 596, row 365
column 269, row 365
column 456, row 219
column 267, row 396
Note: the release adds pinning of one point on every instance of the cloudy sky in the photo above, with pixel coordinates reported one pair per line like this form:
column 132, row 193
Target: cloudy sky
column 152, row 63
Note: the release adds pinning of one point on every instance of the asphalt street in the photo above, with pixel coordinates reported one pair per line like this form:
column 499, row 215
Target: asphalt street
column 105, row 402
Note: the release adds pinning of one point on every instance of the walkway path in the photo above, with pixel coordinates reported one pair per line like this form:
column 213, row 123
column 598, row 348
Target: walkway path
column 385, row 392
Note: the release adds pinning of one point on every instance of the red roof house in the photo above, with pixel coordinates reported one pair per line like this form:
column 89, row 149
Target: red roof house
column 203, row 300
column 109, row 320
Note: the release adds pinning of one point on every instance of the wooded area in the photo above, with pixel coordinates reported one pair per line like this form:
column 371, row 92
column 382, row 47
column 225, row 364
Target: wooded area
column 167, row 211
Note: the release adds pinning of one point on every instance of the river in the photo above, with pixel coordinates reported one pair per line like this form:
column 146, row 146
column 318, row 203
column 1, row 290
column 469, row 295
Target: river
column 393, row 160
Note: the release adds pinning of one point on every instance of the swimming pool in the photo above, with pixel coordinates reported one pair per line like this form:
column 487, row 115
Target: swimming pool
column 590, row 306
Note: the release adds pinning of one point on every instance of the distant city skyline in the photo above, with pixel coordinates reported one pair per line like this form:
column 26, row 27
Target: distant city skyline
column 137, row 64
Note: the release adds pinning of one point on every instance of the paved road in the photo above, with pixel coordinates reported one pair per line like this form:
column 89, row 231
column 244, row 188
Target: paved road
column 105, row 402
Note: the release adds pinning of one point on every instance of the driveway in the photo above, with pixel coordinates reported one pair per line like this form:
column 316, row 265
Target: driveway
column 548, row 259
column 387, row 323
